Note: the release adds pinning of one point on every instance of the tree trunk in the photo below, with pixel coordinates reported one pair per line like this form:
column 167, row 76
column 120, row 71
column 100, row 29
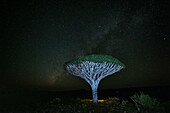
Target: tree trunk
column 94, row 92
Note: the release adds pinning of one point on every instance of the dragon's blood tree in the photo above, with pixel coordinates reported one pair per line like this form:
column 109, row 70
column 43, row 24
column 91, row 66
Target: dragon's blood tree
column 94, row 68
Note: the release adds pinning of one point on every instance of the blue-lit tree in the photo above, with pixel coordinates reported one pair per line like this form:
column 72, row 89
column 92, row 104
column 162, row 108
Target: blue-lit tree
column 93, row 69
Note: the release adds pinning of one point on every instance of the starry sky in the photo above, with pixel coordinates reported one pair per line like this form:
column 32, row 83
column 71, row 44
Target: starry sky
column 38, row 36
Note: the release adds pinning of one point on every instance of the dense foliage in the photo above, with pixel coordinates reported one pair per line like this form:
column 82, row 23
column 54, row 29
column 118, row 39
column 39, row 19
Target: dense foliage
column 96, row 59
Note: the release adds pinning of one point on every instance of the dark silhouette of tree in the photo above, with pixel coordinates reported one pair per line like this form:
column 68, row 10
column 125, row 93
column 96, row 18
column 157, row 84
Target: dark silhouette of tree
column 94, row 68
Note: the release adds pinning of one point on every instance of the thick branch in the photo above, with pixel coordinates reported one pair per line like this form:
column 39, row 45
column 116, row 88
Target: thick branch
column 92, row 72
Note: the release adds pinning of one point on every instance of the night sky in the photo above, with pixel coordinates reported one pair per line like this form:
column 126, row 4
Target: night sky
column 39, row 36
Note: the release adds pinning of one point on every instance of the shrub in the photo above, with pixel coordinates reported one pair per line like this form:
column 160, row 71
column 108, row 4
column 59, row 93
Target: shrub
column 144, row 101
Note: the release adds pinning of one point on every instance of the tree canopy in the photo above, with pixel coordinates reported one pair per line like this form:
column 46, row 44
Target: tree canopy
column 97, row 59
